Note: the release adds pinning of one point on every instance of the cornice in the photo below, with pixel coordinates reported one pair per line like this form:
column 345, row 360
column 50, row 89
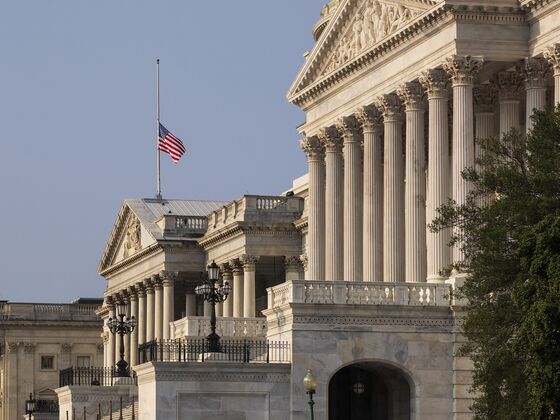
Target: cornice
column 302, row 224
column 439, row 15
column 534, row 5
column 244, row 228
column 150, row 250
column 9, row 324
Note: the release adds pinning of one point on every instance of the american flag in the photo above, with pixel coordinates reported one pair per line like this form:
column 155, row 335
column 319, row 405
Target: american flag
column 170, row 144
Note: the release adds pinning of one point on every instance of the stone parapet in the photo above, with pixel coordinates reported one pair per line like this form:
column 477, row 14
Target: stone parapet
column 199, row 326
column 359, row 293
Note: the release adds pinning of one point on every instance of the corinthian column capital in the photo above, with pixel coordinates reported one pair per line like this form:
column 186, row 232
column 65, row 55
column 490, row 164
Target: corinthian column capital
column 436, row 82
column 509, row 85
column 390, row 106
column 249, row 262
column 485, row 98
column 462, row 69
column 348, row 127
column 168, row 277
column 412, row 95
column 552, row 55
column 370, row 118
column 534, row 71
column 331, row 139
column 313, row 148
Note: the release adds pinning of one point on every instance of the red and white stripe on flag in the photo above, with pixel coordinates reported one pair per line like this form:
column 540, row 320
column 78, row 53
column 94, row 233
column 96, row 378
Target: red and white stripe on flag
column 170, row 144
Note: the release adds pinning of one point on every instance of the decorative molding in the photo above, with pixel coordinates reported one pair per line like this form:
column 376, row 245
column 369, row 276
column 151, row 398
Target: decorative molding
column 348, row 128
column 331, row 139
column 150, row 250
column 349, row 320
column 292, row 263
column 313, row 148
column 552, row 55
column 370, row 118
column 413, row 96
column 485, row 98
column 12, row 347
column 436, row 83
column 66, row 347
column 304, row 261
column 28, row 348
column 508, row 84
column 168, row 277
column 390, row 106
column 249, row 377
column 535, row 71
column 462, row 69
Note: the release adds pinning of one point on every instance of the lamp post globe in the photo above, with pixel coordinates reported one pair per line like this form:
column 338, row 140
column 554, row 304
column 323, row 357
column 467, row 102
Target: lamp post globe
column 310, row 385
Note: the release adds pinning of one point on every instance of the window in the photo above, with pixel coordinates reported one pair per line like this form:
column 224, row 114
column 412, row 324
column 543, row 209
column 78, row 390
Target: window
column 47, row 362
column 82, row 361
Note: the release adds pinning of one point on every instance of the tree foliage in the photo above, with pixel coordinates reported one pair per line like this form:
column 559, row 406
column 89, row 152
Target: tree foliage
column 509, row 230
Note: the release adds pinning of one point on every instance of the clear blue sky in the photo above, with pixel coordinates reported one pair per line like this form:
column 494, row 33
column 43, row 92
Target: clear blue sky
column 77, row 106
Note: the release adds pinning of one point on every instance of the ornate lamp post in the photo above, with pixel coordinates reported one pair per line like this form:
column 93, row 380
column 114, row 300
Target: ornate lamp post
column 310, row 385
column 213, row 294
column 121, row 326
column 30, row 406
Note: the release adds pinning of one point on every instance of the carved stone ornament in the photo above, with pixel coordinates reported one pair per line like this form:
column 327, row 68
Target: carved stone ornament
column 485, row 98
column 370, row 118
column 100, row 348
column 312, row 147
column 462, row 69
column 331, row 139
column 535, row 71
column 66, row 347
column 169, row 277
column 552, row 54
column 292, row 263
column 509, row 85
column 132, row 242
column 28, row 348
column 348, row 127
column 412, row 95
column 436, row 82
column 375, row 21
column 12, row 347
column 249, row 262
column 390, row 105
column 304, row 260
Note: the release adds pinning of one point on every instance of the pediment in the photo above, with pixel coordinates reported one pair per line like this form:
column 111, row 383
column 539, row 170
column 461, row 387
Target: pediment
column 356, row 27
column 128, row 237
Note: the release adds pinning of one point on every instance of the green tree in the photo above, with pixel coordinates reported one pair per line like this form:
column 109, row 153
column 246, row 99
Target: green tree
column 509, row 230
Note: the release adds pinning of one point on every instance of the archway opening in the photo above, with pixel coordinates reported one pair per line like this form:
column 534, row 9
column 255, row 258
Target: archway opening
column 369, row 391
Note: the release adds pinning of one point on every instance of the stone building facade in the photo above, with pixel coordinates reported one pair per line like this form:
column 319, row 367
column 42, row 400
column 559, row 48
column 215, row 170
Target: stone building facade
column 342, row 268
column 37, row 340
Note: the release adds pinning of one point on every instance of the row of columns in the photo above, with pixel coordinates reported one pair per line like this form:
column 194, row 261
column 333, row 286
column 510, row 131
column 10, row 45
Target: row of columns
column 151, row 303
column 364, row 221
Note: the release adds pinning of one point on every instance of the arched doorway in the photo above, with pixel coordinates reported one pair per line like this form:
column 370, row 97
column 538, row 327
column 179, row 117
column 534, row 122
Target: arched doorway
column 369, row 391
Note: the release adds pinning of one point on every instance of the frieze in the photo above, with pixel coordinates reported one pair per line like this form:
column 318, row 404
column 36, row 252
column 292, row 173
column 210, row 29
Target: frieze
column 222, row 377
column 355, row 321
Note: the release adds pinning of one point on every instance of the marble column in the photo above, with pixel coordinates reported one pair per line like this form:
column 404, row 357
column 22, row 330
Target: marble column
column 228, row 303
column 111, row 345
column 249, row 268
column 168, row 315
column 133, row 298
column 534, row 72
column 238, row 291
column 314, row 150
column 141, row 327
column 485, row 127
column 334, row 204
column 158, row 307
column 412, row 96
column 292, row 265
column 349, row 130
column 190, row 304
column 393, row 189
column 371, row 121
column 438, row 252
column 552, row 55
column 150, row 311
column 509, row 86
column 462, row 70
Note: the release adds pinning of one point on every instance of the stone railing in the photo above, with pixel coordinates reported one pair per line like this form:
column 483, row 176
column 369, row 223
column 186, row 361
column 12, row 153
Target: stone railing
column 171, row 224
column 48, row 311
column 199, row 326
column 254, row 208
column 359, row 293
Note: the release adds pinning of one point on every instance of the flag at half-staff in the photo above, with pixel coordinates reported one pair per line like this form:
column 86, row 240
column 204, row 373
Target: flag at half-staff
column 170, row 144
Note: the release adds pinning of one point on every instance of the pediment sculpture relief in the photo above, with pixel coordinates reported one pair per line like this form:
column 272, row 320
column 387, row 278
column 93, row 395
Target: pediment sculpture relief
column 374, row 22
column 132, row 242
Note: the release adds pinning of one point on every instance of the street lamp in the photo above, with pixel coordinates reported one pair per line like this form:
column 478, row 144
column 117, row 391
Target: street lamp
column 120, row 325
column 30, row 405
column 213, row 294
column 310, row 385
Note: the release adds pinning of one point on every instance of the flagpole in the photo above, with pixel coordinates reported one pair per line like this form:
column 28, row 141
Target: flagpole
column 158, row 193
